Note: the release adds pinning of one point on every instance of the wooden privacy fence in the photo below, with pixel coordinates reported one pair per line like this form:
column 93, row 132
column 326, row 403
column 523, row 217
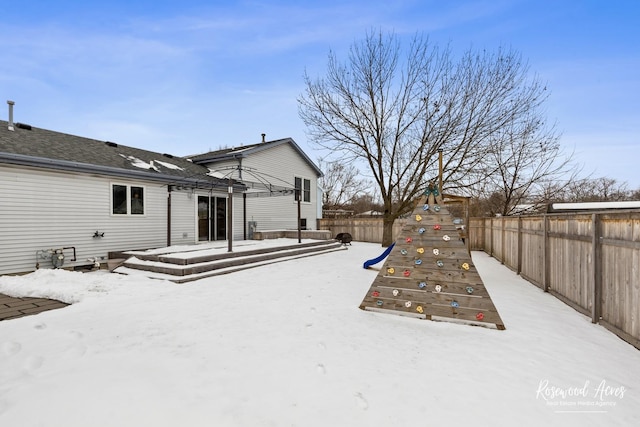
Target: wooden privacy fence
column 591, row 261
column 362, row 229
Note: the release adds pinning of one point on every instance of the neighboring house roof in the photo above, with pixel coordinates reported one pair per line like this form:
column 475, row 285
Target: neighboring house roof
column 31, row 146
column 370, row 213
column 593, row 206
column 246, row 150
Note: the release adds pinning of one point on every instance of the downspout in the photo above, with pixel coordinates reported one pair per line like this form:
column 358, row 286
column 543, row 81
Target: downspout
column 230, row 217
column 168, row 215
column 299, row 199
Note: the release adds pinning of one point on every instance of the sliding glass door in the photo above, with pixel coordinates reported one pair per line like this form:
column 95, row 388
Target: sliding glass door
column 212, row 218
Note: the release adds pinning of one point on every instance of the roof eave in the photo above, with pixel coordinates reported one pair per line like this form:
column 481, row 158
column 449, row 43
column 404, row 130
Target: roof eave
column 65, row 165
column 219, row 158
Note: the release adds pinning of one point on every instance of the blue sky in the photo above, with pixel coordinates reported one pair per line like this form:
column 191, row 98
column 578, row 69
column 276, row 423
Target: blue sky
column 188, row 76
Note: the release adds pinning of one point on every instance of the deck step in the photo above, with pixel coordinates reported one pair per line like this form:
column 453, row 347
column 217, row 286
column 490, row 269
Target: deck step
column 191, row 266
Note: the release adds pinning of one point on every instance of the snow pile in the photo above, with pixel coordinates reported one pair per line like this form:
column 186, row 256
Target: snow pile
column 286, row 345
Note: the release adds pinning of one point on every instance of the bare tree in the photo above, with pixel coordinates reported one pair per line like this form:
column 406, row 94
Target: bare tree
column 393, row 110
column 595, row 190
column 364, row 203
column 340, row 183
column 486, row 205
column 527, row 157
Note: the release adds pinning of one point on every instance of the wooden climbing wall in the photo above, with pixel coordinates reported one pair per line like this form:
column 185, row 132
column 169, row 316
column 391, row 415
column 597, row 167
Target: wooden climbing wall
column 429, row 274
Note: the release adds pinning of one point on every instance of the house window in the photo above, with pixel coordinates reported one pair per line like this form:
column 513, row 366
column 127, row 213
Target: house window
column 127, row 200
column 304, row 185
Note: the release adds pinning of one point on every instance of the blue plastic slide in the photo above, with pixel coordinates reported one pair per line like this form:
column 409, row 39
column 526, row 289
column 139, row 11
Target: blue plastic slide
column 376, row 260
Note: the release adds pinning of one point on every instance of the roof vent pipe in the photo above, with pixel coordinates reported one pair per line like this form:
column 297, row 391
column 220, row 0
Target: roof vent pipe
column 11, row 104
column 263, row 135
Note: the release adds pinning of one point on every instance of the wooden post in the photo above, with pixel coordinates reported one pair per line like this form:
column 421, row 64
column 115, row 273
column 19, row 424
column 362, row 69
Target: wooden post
column 484, row 234
column 546, row 270
column 502, row 240
column 491, row 237
column 467, row 224
column 596, row 261
column 244, row 216
column 440, row 170
column 519, row 266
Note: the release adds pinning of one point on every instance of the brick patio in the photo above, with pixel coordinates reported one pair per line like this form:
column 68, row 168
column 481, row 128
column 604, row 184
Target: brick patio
column 12, row 308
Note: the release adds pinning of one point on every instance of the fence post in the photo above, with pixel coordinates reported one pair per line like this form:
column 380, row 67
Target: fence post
column 491, row 237
column 484, row 234
column 546, row 250
column 519, row 267
column 596, row 265
column 502, row 240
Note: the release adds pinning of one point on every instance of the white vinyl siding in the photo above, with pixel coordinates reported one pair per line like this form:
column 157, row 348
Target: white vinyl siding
column 183, row 218
column 42, row 210
column 279, row 165
column 238, row 218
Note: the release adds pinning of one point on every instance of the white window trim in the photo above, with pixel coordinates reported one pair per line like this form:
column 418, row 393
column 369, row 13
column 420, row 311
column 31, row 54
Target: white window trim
column 302, row 180
column 128, row 186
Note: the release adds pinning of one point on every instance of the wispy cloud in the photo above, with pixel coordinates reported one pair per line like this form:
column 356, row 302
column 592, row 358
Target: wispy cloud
column 200, row 71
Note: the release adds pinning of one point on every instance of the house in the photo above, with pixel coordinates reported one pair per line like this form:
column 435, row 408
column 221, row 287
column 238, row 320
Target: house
column 272, row 171
column 66, row 200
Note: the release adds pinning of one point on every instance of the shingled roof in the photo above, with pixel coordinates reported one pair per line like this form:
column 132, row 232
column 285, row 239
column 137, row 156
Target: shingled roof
column 31, row 146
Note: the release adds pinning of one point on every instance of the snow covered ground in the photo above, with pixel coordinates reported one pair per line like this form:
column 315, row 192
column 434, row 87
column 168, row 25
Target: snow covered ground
column 286, row 345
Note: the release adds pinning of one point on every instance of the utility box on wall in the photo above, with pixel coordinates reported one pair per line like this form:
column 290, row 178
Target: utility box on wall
column 253, row 226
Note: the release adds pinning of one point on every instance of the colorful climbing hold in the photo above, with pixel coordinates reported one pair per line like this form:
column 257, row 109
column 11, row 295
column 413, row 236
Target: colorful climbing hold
column 440, row 263
column 446, row 238
column 465, row 265
column 436, row 227
column 395, row 292
column 409, row 240
column 438, row 288
column 421, row 230
column 420, row 250
column 418, row 217
column 425, row 207
column 379, row 303
column 391, row 270
column 407, row 304
column 403, row 251
column 419, row 309
column 469, row 290
column 422, row 285
column 407, row 273
column 436, row 208
column 375, row 294
column 418, row 261
column 436, row 251
column 455, row 304
column 480, row 316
